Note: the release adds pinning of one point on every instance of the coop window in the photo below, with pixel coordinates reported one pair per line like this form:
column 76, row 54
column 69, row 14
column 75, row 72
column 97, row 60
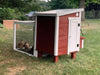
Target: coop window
column 24, row 37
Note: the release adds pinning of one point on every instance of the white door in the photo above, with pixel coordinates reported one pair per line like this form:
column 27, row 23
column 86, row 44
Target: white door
column 74, row 35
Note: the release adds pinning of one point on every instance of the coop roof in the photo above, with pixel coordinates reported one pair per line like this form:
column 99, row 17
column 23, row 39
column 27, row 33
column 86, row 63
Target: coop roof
column 59, row 12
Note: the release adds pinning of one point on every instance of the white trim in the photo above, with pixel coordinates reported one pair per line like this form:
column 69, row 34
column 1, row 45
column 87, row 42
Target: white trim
column 73, row 18
column 14, row 36
column 80, row 14
column 56, row 36
column 35, row 51
column 24, row 22
column 35, row 54
column 35, row 33
column 59, row 12
column 66, row 13
column 83, row 43
column 23, row 52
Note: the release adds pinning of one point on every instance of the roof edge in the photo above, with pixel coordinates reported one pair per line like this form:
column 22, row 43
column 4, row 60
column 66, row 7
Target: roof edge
column 58, row 12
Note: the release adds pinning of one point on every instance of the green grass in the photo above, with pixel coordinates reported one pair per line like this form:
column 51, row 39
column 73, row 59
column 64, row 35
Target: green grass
column 87, row 60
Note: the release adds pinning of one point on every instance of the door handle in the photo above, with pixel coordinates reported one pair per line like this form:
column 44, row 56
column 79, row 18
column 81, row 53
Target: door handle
column 77, row 45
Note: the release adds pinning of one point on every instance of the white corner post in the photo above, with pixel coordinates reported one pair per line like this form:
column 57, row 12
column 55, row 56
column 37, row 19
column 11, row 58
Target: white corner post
column 56, row 36
column 80, row 14
column 14, row 36
column 35, row 51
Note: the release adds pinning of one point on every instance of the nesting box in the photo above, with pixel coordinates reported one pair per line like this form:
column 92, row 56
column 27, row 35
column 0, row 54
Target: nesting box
column 58, row 32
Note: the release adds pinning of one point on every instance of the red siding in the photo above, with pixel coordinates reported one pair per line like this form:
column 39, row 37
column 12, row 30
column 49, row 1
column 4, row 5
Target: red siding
column 63, row 33
column 45, row 34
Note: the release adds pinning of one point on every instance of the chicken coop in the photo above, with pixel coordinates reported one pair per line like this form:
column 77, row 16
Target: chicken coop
column 54, row 32
column 58, row 32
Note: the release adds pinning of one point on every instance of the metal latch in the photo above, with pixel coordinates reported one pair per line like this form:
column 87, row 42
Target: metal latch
column 77, row 45
column 78, row 24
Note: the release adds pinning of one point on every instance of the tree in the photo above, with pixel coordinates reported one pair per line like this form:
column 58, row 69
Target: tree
column 84, row 3
column 62, row 4
column 94, row 7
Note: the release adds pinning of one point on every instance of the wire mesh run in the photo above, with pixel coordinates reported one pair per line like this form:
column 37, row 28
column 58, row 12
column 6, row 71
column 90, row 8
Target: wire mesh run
column 24, row 37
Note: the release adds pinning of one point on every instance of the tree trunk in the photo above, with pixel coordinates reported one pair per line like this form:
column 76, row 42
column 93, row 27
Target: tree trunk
column 82, row 5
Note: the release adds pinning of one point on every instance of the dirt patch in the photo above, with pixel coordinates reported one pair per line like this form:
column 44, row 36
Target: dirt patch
column 15, row 70
column 6, row 61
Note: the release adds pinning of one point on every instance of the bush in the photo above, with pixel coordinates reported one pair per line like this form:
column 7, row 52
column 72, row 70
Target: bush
column 22, row 17
column 7, row 14
column 11, row 14
column 92, row 14
column 89, row 14
column 1, row 25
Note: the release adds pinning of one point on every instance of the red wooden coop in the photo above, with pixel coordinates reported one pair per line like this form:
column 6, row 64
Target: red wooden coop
column 57, row 32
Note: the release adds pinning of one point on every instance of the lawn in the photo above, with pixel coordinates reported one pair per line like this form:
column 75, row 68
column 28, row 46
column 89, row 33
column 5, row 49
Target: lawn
column 87, row 60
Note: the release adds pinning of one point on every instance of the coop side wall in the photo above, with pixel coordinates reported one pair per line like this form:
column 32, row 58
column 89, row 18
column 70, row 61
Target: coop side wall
column 63, row 33
column 45, row 34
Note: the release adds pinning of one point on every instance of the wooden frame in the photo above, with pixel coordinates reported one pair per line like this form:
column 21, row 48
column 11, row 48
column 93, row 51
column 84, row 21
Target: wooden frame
column 14, row 35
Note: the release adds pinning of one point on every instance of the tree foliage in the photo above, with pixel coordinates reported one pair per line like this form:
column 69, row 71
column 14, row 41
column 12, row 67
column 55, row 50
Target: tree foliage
column 92, row 1
column 21, row 5
column 61, row 4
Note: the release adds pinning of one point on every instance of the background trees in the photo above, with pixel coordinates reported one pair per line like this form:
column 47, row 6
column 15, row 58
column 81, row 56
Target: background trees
column 20, row 7
column 61, row 4
column 16, row 9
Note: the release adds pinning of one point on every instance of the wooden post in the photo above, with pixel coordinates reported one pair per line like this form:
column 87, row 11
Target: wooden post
column 55, row 59
column 73, row 55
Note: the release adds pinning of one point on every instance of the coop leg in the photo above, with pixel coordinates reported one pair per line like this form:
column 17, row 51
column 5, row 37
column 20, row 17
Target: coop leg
column 39, row 54
column 73, row 55
column 55, row 59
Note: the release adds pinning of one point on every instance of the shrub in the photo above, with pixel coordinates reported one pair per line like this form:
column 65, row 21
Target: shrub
column 7, row 14
column 1, row 25
column 22, row 17
column 11, row 14
column 89, row 14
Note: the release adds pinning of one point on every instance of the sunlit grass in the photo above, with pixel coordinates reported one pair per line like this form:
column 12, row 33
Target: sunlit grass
column 87, row 60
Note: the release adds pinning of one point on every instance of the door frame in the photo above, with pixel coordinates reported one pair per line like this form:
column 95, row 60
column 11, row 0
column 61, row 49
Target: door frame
column 69, row 27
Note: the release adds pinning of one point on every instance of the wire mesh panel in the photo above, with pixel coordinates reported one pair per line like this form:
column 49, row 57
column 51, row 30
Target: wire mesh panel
column 24, row 37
